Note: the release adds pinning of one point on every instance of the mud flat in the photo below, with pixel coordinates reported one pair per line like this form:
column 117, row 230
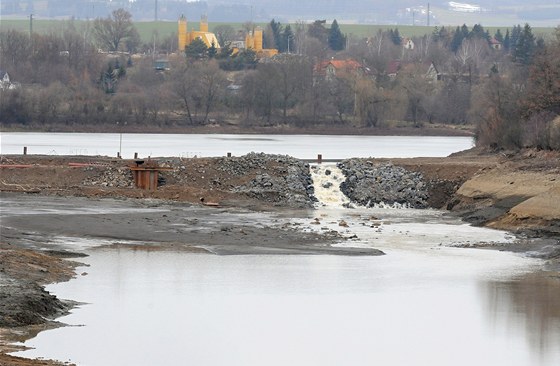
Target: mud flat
column 42, row 237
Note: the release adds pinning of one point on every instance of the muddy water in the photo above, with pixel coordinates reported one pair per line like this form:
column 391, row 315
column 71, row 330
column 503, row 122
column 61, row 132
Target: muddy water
column 421, row 304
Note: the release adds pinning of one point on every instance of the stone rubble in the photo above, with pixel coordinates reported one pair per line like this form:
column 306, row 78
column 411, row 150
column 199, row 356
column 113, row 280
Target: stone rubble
column 280, row 179
column 110, row 176
column 368, row 184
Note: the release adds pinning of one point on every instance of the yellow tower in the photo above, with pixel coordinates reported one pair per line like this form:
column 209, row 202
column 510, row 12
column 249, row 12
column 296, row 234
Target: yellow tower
column 258, row 39
column 182, row 34
column 204, row 23
column 249, row 40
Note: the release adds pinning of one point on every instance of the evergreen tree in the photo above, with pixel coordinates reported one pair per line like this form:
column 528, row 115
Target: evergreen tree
column 212, row 50
column 507, row 41
column 525, row 46
column 477, row 32
column 457, row 40
column 395, row 36
column 435, row 34
column 337, row 40
column 197, row 49
column 499, row 36
column 288, row 38
column 279, row 43
column 514, row 37
column 465, row 31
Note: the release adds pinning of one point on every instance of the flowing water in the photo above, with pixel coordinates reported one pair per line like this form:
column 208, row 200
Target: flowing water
column 425, row 302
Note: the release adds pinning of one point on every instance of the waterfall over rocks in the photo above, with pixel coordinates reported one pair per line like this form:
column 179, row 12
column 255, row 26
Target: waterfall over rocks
column 327, row 179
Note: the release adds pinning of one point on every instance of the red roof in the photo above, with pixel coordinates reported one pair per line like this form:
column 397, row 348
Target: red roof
column 338, row 65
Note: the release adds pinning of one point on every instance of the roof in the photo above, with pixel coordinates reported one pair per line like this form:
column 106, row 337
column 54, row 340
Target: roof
column 348, row 64
column 394, row 66
column 207, row 38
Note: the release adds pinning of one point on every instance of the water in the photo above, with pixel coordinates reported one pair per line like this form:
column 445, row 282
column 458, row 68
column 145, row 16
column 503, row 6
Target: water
column 453, row 306
column 420, row 304
column 326, row 181
column 300, row 146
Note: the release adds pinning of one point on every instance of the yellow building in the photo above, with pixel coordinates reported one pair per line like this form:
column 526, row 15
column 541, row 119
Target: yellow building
column 185, row 37
column 254, row 41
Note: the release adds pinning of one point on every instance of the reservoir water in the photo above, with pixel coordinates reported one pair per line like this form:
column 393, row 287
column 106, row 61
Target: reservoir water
column 426, row 302
column 184, row 145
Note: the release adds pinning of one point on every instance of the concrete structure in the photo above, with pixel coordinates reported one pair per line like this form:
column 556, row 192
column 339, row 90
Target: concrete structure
column 185, row 37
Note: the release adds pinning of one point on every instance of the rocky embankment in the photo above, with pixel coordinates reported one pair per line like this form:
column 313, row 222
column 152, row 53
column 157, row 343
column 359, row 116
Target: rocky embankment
column 255, row 179
column 368, row 183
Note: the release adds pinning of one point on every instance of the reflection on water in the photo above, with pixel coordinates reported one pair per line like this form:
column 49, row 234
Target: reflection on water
column 530, row 302
column 163, row 308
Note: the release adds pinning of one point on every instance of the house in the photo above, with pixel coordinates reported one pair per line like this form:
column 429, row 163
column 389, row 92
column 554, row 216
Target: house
column 428, row 69
column 5, row 82
column 407, row 44
column 329, row 69
column 495, row 44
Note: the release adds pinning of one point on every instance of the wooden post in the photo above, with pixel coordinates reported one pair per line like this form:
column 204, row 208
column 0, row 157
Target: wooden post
column 319, row 158
column 135, row 155
column 25, row 150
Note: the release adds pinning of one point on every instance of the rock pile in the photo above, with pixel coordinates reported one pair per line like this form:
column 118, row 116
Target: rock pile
column 278, row 179
column 368, row 184
column 110, row 176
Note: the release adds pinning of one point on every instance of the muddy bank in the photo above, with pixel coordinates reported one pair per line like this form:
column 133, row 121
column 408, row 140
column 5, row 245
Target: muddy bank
column 25, row 307
column 520, row 194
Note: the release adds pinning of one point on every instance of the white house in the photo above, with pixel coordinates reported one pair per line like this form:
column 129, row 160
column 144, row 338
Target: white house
column 5, row 83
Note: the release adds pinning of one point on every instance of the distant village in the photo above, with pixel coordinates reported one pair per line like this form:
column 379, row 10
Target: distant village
column 305, row 75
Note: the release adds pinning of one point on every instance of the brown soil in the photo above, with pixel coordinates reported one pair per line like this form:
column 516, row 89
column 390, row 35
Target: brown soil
column 24, row 304
column 199, row 179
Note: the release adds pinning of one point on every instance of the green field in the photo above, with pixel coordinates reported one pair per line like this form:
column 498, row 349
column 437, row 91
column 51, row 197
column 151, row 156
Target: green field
column 166, row 28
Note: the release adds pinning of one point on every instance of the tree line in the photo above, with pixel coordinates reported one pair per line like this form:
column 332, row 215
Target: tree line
column 506, row 84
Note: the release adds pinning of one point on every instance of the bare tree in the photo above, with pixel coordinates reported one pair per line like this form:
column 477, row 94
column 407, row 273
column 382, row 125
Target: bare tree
column 212, row 83
column 293, row 72
column 300, row 37
column 15, row 52
column 113, row 31
column 184, row 84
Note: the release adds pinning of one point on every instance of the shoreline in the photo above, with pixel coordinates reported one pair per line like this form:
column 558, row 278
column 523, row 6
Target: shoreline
column 321, row 129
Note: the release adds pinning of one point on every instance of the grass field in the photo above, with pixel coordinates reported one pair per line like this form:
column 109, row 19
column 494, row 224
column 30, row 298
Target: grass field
column 166, row 28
